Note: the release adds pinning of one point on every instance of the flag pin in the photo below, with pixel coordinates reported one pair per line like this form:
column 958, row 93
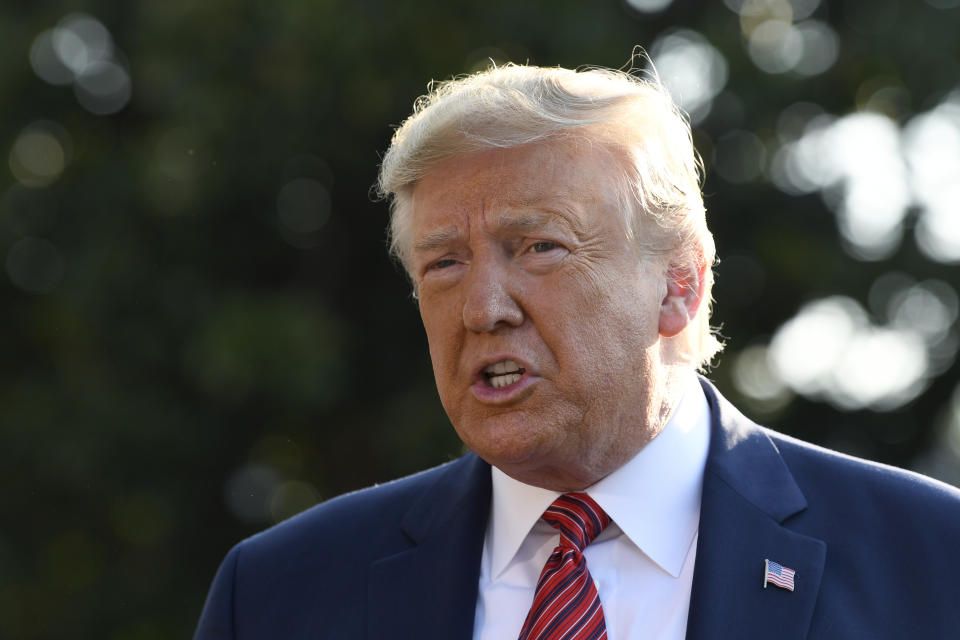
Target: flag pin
column 777, row 574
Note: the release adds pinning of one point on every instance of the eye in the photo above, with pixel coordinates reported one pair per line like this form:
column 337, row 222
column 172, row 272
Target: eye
column 543, row 246
column 442, row 264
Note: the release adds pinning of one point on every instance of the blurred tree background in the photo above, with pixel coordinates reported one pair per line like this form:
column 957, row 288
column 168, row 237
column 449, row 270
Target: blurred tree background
column 202, row 331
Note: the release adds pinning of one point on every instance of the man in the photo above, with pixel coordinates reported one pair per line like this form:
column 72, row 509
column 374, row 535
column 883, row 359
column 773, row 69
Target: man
column 552, row 226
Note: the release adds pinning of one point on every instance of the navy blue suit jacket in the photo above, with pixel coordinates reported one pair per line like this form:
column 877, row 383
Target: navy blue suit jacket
column 875, row 552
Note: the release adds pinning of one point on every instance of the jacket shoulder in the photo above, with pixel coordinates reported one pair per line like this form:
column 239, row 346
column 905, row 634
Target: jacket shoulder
column 859, row 483
column 890, row 535
column 277, row 582
column 372, row 512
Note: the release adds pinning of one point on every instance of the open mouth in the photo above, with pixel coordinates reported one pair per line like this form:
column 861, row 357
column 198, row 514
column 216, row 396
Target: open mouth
column 503, row 373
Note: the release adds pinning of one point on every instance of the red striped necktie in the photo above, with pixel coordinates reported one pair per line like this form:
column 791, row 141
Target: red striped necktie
column 566, row 603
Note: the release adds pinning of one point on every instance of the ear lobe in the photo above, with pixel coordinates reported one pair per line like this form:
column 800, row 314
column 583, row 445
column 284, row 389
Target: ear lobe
column 684, row 294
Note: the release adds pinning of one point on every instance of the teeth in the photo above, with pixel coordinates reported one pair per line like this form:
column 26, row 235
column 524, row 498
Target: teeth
column 503, row 373
column 499, row 368
column 501, row 381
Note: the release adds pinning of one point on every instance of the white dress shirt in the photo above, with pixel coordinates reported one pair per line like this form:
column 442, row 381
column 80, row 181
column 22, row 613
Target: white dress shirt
column 642, row 563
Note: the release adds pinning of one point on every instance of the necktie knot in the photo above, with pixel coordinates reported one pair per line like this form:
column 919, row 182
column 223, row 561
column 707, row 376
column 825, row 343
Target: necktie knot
column 566, row 604
column 578, row 519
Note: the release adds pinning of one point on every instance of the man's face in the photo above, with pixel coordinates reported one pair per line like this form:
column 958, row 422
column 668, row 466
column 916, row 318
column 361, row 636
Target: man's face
column 542, row 318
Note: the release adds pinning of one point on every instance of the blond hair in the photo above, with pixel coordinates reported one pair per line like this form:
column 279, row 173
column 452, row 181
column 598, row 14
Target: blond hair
column 514, row 105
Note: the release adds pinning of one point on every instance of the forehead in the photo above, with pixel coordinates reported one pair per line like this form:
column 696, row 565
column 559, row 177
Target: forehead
column 524, row 186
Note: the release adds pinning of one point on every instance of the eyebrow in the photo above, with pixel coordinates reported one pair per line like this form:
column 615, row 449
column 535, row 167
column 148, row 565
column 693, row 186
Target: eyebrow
column 525, row 222
column 435, row 239
column 544, row 215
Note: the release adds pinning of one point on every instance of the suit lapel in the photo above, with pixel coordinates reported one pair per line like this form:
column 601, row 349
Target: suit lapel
column 748, row 495
column 430, row 589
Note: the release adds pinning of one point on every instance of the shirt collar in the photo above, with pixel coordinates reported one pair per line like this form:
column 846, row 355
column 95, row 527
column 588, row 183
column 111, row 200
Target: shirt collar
column 654, row 498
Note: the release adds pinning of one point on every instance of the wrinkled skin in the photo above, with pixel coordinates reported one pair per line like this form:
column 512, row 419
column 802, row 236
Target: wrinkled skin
column 520, row 254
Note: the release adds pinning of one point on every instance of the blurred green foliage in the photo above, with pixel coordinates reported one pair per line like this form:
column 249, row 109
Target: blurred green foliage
column 189, row 357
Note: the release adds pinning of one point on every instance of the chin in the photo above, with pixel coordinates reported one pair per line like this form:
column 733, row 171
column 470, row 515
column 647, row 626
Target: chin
column 503, row 441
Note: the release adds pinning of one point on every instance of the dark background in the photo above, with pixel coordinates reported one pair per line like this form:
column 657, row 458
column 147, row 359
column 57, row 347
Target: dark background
column 203, row 334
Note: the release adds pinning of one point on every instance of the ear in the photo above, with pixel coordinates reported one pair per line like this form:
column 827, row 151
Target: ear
column 684, row 294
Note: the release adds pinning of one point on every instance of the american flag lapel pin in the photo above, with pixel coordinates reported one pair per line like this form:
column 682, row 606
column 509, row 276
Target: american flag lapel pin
column 777, row 574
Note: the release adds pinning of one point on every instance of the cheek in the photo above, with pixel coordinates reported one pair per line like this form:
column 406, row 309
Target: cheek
column 606, row 329
column 442, row 335
column 432, row 312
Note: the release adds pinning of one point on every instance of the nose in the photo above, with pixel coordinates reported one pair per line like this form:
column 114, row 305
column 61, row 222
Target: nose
column 490, row 301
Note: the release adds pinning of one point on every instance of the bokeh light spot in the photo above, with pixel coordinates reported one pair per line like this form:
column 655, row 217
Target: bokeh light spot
column 80, row 41
column 859, row 154
column 80, row 51
column 932, row 145
column 754, row 377
column 71, row 50
column 103, row 88
column 870, row 172
column 830, row 350
column 953, row 422
column 806, row 347
column 649, row 6
column 693, row 71
column 46, row 63
column 775, row 46
column 39, row 154
column 821, row 46
column 754, row 13
column 881, row 368
column 249, row 492
column 303, row 205
column 938, row 230
column 928, row 308
column 290, row 498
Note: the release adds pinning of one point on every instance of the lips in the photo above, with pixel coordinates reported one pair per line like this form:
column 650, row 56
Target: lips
column 503, row 373
column 503, row 379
